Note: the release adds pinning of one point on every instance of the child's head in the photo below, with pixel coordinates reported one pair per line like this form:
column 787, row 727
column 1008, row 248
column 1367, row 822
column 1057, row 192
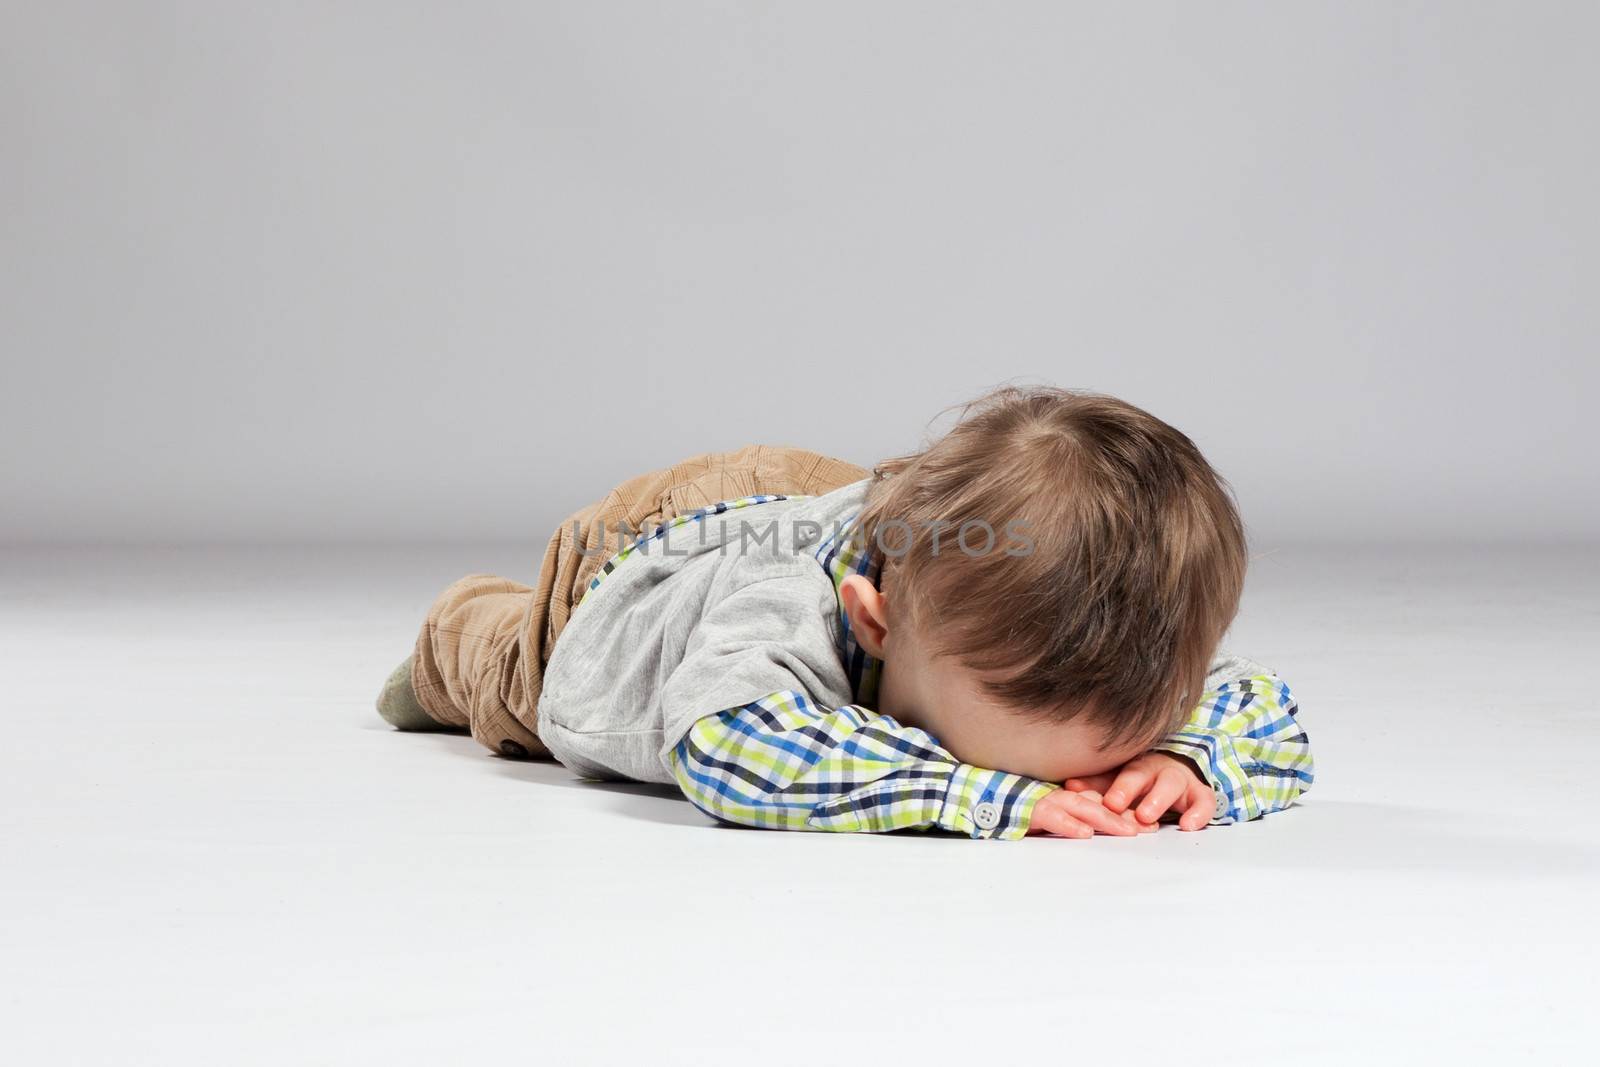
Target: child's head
column 1058, row 570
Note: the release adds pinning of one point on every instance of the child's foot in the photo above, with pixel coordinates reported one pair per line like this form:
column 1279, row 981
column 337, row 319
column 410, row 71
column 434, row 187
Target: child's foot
column 398, row 702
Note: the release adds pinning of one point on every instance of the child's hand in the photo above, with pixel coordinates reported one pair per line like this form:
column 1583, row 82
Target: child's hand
column 1157, row 782
column 1067, row 813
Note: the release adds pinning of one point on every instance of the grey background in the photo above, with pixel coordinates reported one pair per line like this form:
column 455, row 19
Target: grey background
column 399, row 271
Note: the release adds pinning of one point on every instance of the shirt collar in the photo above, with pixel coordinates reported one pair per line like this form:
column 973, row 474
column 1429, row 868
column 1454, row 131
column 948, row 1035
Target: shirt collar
column 841, row 556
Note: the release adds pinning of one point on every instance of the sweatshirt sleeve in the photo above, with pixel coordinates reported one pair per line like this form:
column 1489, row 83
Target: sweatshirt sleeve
column 1245, row 737
column 783, row 762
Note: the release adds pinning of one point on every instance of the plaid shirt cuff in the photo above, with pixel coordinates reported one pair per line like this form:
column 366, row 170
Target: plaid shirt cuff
column 1212, row 751
column 983, row 803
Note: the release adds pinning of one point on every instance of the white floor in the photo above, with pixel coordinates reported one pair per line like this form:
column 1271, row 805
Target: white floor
column 212, row 850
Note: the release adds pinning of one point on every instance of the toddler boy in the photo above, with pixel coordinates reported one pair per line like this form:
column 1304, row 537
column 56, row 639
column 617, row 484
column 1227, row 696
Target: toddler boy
column 1013, row 630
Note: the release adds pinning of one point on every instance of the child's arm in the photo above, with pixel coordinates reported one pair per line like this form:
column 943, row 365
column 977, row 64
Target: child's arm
column 760, row 751
column 783, row 762
column 1244, row 741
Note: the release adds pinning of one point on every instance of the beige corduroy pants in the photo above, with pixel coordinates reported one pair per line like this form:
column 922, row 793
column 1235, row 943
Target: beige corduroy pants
column 481, row 655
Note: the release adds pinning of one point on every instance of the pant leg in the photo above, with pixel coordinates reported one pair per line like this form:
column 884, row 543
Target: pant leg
column 481, row 655
column 468, row 668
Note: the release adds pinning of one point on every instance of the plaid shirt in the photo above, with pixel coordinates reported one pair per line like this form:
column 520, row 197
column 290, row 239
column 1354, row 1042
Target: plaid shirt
column 785, row 763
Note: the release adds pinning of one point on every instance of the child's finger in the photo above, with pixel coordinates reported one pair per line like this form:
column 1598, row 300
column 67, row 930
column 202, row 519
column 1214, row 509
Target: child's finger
column 1168, row 787
column 1051, row 817
column 1095, row 813
column 1202, row 805
column 1095, row 782
column 1129, row 785
column 1091, row 812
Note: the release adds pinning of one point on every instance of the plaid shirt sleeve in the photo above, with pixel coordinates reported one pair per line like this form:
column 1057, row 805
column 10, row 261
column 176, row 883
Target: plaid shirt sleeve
column 785, row 763
column 1245, row 738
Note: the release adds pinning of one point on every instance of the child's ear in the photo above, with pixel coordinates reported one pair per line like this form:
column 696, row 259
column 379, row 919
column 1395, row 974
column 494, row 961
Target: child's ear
column 868, row 612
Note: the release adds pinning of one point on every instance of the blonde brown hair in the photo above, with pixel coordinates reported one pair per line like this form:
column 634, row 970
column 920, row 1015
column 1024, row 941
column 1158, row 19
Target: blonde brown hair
column 1115, row 564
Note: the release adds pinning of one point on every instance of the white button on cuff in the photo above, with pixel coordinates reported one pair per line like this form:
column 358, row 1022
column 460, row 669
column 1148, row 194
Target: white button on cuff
column 1222, row 804
column 986, row 815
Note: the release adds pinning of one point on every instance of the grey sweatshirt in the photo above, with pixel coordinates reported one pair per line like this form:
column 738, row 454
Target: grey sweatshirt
column 712, row 614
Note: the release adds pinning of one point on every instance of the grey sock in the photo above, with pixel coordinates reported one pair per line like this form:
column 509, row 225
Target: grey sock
column 398, row 702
